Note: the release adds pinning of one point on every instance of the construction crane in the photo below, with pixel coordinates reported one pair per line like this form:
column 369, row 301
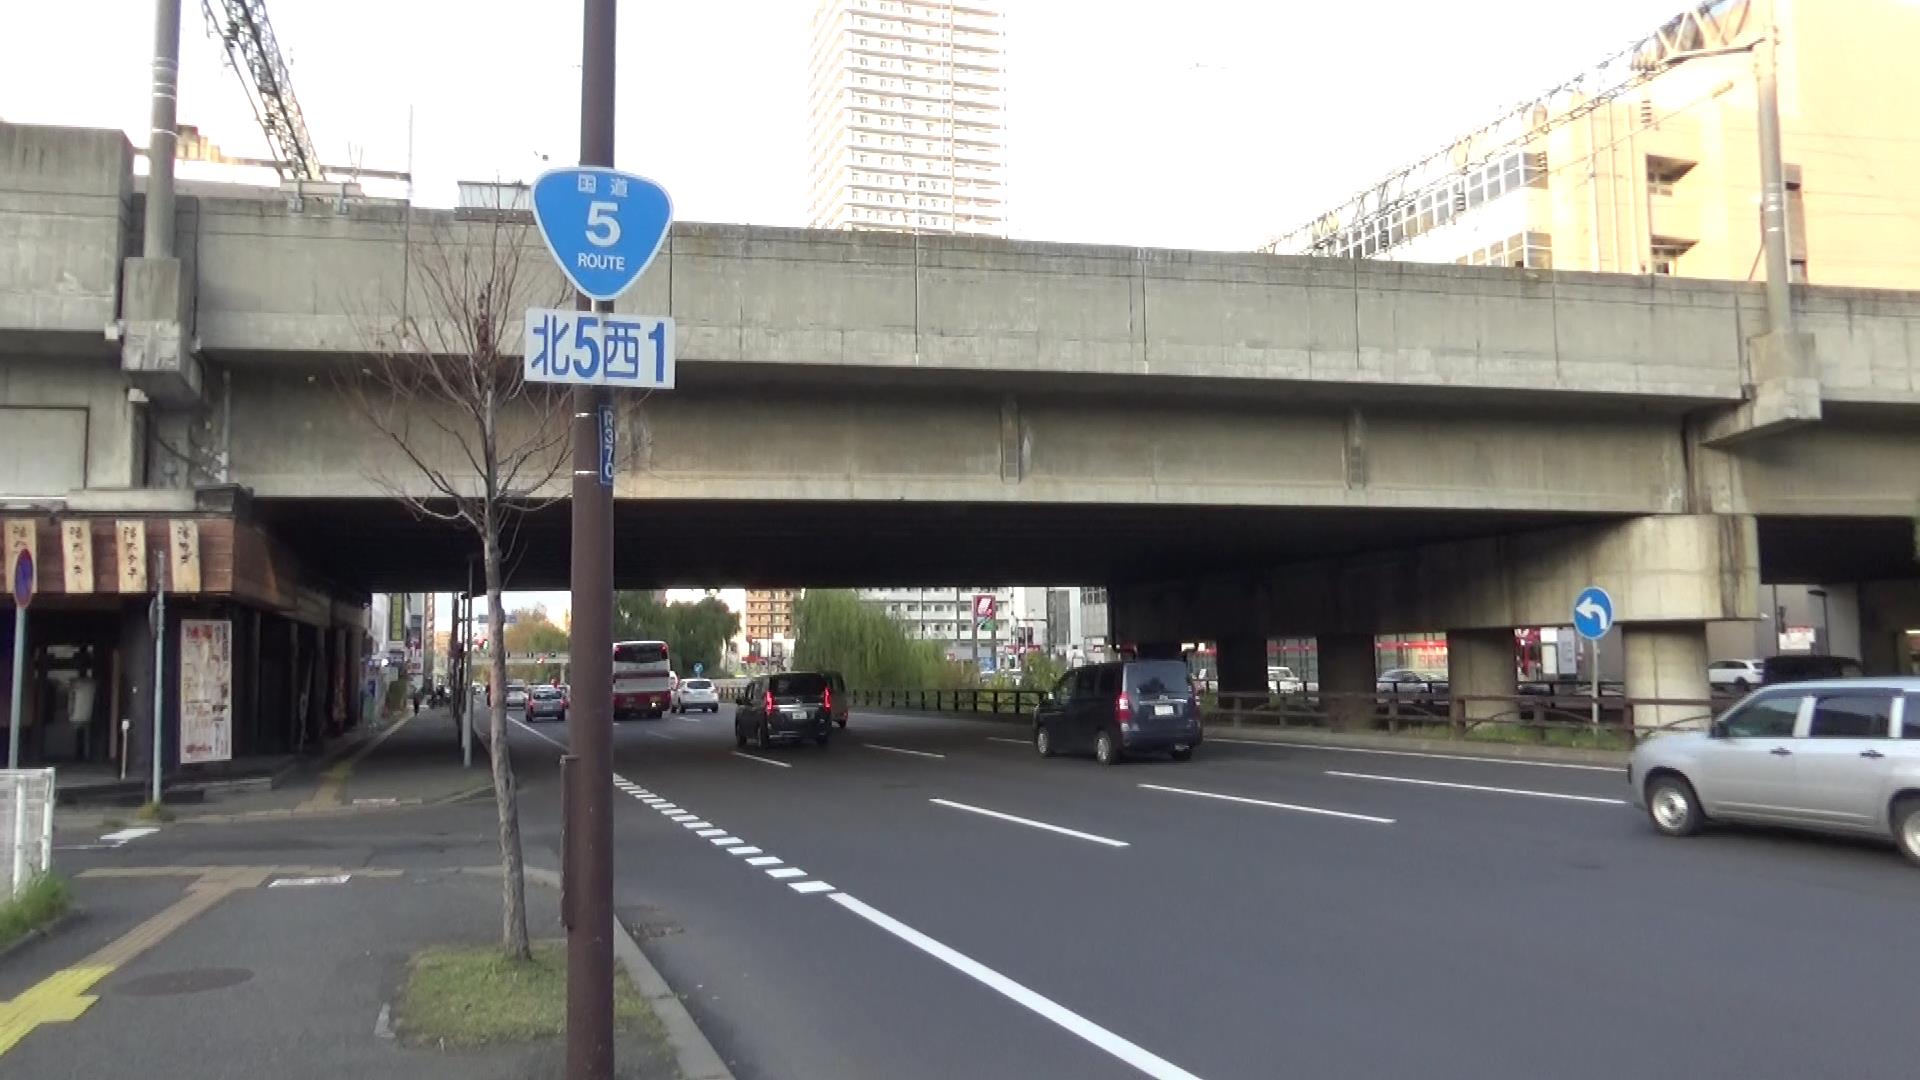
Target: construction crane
column 242, row 26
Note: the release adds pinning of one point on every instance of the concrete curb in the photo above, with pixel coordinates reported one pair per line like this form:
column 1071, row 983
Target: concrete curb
column 693, row 1054
column 252, row 817
column 1348, row 740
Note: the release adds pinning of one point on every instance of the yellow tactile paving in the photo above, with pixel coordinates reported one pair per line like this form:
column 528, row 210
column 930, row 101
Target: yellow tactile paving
column 63, row 996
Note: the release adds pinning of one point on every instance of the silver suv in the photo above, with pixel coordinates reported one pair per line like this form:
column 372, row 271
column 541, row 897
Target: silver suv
column 1838, row 755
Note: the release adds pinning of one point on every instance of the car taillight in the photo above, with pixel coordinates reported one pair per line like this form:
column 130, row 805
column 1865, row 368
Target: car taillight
column 826, row 699
column 1123, row 708
column 767, row 705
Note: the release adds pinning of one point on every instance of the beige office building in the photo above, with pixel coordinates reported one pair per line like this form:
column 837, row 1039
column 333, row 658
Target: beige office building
column 906, row 102
column 1663, row 177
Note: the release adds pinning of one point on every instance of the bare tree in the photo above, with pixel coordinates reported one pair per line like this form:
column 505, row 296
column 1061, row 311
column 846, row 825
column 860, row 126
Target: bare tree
column 478, row 445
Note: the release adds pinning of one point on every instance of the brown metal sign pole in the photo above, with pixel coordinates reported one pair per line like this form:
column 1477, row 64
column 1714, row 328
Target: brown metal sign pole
column 590, row 716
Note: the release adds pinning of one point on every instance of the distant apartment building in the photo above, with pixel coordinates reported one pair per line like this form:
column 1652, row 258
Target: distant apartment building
column 1024, row 618
column 1650, row 164
column 768, row 622
column 906, row 106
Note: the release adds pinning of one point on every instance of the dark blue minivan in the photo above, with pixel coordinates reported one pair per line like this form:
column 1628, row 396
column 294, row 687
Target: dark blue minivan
column 1120, row 708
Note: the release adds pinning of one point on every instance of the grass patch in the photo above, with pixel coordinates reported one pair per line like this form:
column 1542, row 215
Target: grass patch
column 43, row 900
column 112, row 824
column 154, row 811
column 471, row 995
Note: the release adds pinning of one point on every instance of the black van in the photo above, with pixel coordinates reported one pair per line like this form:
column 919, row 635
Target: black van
column 790, row 705
column 1120, row 708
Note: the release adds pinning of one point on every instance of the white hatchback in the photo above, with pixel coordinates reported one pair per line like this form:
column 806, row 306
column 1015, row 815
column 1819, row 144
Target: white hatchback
column 696, row 695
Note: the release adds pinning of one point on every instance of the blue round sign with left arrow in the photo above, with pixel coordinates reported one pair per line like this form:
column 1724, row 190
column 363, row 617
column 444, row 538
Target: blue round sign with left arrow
column 603, row 226
column 1592, row 613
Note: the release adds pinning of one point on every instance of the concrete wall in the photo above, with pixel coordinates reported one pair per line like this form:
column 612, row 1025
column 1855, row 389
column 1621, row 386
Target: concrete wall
column 295, row 437
column 1669, row 568
column 275, row 282
column 64, row 208
column 66, row 418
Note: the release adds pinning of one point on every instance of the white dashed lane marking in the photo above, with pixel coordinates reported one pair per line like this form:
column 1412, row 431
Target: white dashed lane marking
column 1479, row 787
column 1030, row 823
column 1296, row 808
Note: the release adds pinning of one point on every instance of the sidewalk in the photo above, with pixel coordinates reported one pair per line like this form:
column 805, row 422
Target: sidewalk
column 415, row 761
column 251, row 971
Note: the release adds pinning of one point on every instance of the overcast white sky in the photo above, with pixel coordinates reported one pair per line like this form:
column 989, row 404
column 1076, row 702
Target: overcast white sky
column 1202, row 123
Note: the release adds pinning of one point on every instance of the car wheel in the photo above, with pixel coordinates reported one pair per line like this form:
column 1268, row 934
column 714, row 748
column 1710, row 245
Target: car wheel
column 739, row 737
column 1043, row 740
column 766, row 737
column 821, row 739
column 842, row 723
column 1183, row 755
column 1741, row 686
column 563, row 716
column 1104, row 750
column 1906, row 828
column 1672, row 806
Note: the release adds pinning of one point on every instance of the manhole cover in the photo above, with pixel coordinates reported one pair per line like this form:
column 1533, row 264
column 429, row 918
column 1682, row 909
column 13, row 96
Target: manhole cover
column 184, row 981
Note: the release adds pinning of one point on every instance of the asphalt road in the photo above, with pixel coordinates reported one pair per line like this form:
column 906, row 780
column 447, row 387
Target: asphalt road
column 1257, row 912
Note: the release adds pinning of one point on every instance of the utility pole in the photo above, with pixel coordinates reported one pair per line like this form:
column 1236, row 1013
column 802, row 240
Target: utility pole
column 162, row 140
column 589, row 831
column 1773, row 187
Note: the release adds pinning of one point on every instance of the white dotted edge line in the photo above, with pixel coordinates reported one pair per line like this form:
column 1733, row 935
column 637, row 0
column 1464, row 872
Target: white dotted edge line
column 771, row 865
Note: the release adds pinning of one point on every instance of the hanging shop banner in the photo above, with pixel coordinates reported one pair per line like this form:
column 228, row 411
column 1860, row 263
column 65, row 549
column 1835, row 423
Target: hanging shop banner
column 130, row 542
column 206, row 690
column 183, row 575
column 76, row 555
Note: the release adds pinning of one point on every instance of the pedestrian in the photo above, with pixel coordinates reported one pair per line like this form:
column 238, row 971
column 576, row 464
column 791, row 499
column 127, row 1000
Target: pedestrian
column 416, row 700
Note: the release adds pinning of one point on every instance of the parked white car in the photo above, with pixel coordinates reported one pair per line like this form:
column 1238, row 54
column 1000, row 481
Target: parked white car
column 1281, row 680
column 1738, row 676
column 1837, row 755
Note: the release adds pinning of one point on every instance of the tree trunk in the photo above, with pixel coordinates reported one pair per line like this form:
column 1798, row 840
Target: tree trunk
column 506, row 799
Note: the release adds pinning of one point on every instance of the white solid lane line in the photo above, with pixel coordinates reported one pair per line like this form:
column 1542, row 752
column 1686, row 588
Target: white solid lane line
column 1479, row 787
column 1016, row 742
column 1323, row 812
column 1418, row 754
column 538, row 734
column 901, row 750
column 1131, row 1053
column 689, row 719
column 1030, row 823
column 762, row 760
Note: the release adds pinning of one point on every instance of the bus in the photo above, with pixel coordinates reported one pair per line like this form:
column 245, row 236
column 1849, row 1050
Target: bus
column 642, row 679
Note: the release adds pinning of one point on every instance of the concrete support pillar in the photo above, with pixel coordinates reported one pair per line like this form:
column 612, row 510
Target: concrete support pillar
column 1480, row 664
column 1347, row 674
column 1243, row 664
column 1667, row 661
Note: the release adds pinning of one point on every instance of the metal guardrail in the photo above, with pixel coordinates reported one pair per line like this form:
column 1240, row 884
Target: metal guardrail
column 1537, row 715
column 26, row 827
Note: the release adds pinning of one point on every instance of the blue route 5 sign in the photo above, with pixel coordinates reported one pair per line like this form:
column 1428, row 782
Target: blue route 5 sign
column 1592, row 613
column 603, row 226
